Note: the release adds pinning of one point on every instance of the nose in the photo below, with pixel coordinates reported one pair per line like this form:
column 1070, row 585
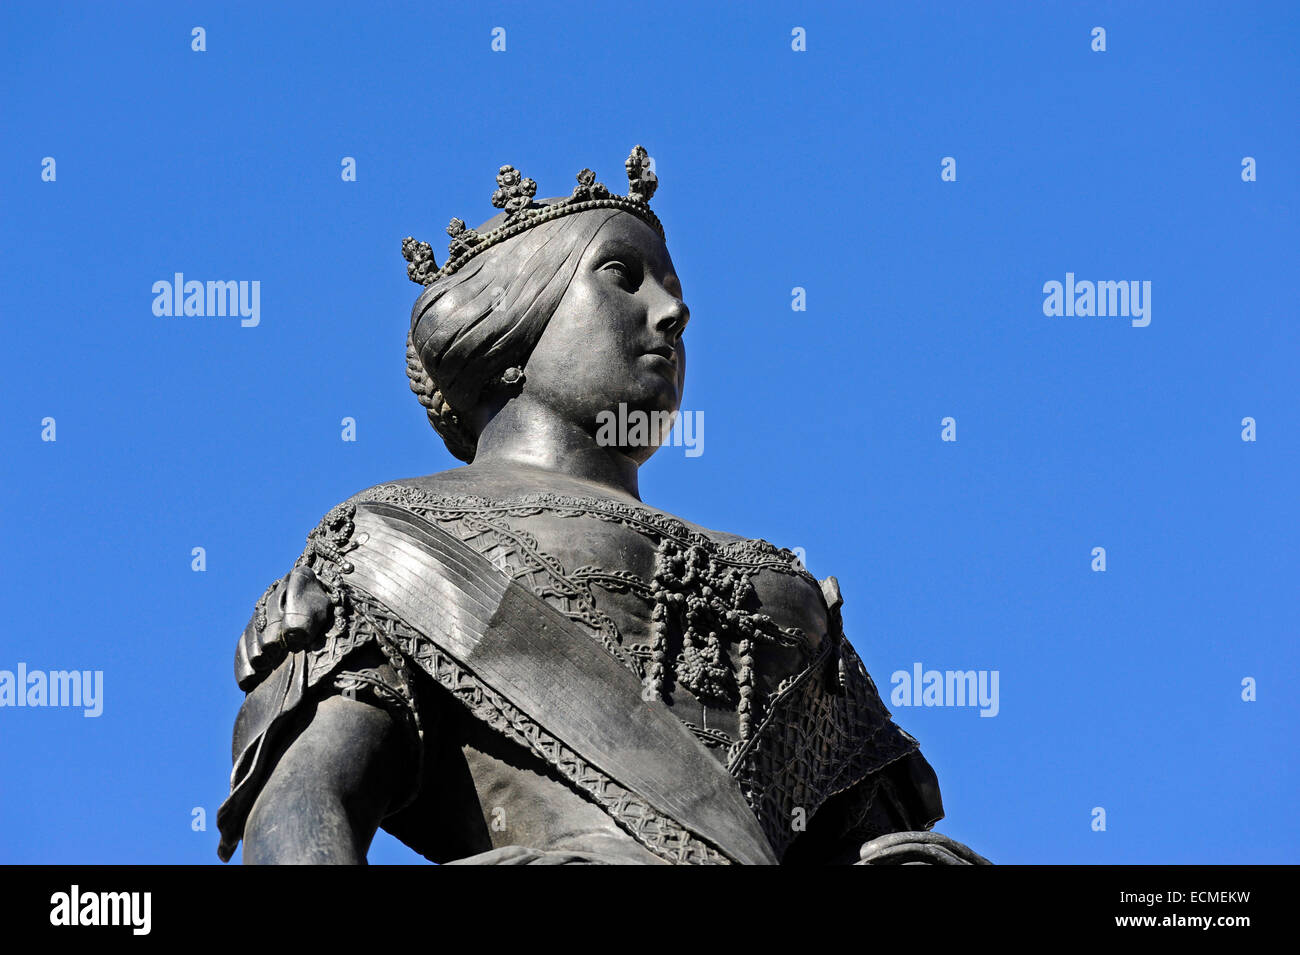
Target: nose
column 669, row 315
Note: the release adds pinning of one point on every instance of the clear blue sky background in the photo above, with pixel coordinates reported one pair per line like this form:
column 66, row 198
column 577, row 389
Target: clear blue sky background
column 778, row 169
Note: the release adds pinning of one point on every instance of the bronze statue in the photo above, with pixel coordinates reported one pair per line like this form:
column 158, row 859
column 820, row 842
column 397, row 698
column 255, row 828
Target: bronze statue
column 518, row 661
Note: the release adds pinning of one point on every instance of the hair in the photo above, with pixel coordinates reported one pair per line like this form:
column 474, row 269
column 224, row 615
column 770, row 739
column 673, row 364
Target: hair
column 469, row 327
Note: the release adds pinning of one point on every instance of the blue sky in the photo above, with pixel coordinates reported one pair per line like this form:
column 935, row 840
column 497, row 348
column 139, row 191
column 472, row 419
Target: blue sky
column 818, row 169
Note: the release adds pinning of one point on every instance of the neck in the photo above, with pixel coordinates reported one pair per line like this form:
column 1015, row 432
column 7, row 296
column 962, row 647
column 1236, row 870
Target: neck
column 523, row 433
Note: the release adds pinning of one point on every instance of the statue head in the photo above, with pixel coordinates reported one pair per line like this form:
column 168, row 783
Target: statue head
column 567, row 305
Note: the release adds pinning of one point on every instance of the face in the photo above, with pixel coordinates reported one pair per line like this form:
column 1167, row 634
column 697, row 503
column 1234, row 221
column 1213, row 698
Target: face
column 616, row 339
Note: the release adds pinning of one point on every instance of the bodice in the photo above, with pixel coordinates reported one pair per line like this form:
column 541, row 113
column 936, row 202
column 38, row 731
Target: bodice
column 714, row 625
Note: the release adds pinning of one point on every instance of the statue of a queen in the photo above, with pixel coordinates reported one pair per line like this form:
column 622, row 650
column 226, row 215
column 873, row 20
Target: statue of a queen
column 518, row 661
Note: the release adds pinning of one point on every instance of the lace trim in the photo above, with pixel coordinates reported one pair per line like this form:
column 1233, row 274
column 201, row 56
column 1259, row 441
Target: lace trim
column 751, row 554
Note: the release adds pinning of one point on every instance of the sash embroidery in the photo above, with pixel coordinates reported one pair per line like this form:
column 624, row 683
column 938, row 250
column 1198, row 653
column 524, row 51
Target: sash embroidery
column 658, row 833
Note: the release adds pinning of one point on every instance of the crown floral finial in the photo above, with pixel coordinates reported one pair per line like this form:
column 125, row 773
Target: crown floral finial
column 588, row 188
column 462, row 239
column 515, row 193
column 641, row 180
column 421, row 269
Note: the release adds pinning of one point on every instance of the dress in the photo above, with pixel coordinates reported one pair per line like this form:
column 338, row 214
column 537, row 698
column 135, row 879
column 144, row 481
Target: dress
column 658, row 622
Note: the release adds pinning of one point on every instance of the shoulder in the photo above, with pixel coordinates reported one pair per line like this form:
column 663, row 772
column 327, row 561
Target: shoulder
column 451, row 481
column 407, row 492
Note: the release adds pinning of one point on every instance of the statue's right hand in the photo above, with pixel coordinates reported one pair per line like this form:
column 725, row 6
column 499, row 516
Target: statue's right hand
column 294, row 612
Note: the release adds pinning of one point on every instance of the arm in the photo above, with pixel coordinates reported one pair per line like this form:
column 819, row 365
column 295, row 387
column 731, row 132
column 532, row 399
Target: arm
column 332, row 785
column 317, row 767
column 918, row 848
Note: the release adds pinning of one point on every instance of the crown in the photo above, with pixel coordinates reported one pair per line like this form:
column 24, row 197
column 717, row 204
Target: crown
column 514, row 196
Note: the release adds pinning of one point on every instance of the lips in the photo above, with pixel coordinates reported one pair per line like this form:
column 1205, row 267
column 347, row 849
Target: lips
column 666, row 353
column 664, row 362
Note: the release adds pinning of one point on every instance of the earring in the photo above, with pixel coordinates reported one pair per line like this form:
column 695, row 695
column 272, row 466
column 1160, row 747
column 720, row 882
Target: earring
column 512, row 377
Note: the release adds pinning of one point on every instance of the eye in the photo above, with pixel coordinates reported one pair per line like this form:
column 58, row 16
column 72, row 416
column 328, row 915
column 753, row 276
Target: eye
column 625, row 274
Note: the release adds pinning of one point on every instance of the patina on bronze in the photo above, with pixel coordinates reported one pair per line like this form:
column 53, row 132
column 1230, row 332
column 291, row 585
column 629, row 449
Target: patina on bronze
column 518, row 661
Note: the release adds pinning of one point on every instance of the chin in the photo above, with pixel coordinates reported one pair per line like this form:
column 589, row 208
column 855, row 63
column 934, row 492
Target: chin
column 638, row 420
column 657, row 393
